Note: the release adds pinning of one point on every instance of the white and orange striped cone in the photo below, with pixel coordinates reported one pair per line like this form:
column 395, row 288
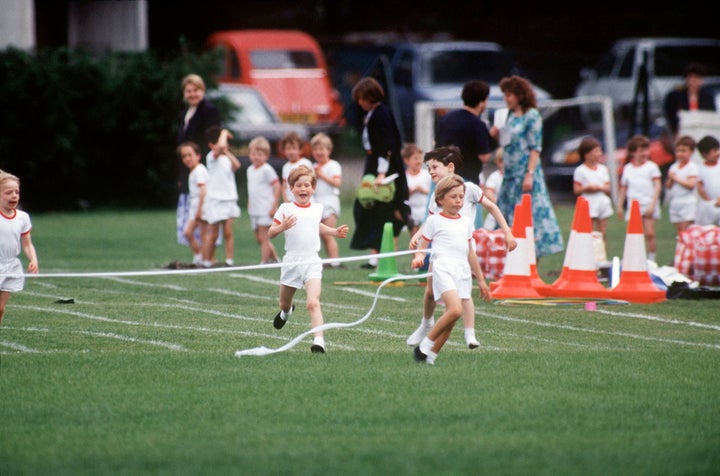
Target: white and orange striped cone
column 535, row 281
column 515, row 282
column 635, row 284
column 579, row 275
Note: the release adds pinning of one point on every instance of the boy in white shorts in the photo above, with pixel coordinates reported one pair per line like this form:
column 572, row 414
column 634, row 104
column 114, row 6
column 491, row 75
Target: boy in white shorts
column 709, row 182
column 292, row 146
column 680, row 185
column 329, row 180
column 419, row 184
column 15, row 229
column 300, row 221
column 220, row 205
column 263, row 189
column 591, row 180
column 453, row 264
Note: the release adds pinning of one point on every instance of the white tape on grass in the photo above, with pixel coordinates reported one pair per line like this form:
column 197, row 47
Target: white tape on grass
column 262, row 350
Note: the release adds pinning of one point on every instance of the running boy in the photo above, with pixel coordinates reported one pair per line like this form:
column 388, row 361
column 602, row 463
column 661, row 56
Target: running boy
column 263, row 189
column 220, row 205
column 419, row 184
column 709, row 182
column 680, row 185
column 301, row 223
column 640, row 181
column 15, row 229
column 329, row 180
column 291, row 145
column 442, row 162
column 453, row 264
column 189, row 153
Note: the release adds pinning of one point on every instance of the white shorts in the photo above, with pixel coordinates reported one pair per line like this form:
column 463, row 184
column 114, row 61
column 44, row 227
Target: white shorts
column 11, row 284
column 194, row 203
column 417, row 215
column 451, row 274
column 260, row 220
column 216, row 210
column 682, row 210
column 331, row 206
column 600, row 207
column 643, row 208
column 707, row 213
column 295, row 275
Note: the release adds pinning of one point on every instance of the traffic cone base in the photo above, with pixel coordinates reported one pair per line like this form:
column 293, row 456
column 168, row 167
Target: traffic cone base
column 514, row 287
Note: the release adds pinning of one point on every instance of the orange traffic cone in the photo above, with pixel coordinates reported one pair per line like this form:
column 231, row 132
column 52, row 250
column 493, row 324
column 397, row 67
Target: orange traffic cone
column 579, row 275
column 515, row 282
column 535, row 280
column 635, row 283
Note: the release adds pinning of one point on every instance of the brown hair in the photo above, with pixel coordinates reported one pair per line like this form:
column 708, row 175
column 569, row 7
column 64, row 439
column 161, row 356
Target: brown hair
column 190, row 144
column 446, row 184
column 409, row 150
column 301, row 171
column 368, row 88
column 586, row 145
column 291, row 138
column 449, row 154
column 522, row 89
column 636, row 142
column 686, row 141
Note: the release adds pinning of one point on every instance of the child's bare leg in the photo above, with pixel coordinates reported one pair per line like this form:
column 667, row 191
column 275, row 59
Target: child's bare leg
column 4, row 296
column 189, row 233
column 426, row 321
column 286, row 296
column 312, row 291
column 208, row 245
column 468, row 316
column 229, row 240
column 649, row 228
column 438, row 335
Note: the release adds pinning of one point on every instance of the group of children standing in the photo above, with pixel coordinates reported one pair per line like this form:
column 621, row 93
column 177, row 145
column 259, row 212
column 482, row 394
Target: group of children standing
column 692, row 191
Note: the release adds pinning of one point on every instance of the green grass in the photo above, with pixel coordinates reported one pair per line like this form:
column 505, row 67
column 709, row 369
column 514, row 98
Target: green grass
column 139, row 376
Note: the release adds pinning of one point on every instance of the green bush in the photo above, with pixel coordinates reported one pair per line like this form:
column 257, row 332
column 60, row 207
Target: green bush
column 82, row 130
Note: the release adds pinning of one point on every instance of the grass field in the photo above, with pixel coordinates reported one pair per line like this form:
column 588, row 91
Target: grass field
column 138, row 374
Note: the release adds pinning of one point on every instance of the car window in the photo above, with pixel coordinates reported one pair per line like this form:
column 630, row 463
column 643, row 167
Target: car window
column 462, row 66
column 280, row 59
column 227, row 62
column 249, row 109
column 671, row 60
column 402, row 72
column 626, row 68
column 605, row 65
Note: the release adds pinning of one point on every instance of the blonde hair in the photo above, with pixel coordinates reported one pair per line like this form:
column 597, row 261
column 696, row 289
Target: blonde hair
column 409, row 150
column 6, row 176
column 193, row 79
column 260, row 144
column 321, row 139
column 446, row 184
column 301, row 171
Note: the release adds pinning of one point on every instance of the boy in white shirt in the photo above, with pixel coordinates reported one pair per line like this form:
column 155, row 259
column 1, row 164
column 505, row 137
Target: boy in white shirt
column 301, row 223
column 221, row 198
column 327, row 193
column 291, row 146
column 709, row 182
column 189, row 153
column 263, row 189
column 680, row 185
column 419, row 183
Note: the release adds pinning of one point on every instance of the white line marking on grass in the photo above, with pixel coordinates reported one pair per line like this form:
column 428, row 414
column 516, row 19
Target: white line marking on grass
column 44, row 284
column 141, row 283
column 596, row 331
column 369, row 294
column 18, row 347
column 135, row 340
column 275, row 299
column 660, row 319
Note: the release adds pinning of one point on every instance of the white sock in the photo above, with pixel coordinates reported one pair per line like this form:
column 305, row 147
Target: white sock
column 286, row 314
column 197, row 259
column 470, row 333
column 206, row 263
column 319, row 340
column 229, row 262
column 426, row 345
column 373, row 261
column 430, row 357
column 428, row 321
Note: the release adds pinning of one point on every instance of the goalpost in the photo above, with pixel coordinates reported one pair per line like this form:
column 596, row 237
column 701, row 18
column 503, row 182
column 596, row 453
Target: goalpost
column 425, row 113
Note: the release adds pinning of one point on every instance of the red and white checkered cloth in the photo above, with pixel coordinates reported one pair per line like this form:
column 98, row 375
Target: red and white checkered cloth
column 697, row 254
column 491, row 251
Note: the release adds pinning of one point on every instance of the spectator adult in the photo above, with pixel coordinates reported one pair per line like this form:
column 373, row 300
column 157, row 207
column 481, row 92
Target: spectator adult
column 522, row 165
column 195, row 119
column 690, row 96
column 381, row 140
column 464, row 128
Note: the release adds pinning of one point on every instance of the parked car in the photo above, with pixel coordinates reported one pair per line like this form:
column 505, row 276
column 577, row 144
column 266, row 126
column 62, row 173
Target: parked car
column 618, row 71
column 289, row 68
column 247, row 114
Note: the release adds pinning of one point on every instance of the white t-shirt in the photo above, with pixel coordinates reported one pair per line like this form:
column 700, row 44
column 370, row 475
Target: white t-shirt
column 221, row 178
column 418, row 201
column 331, row 168
column 198, row 176
column 449, row 236
column 494, row 182
column 289, row 167
column 709, row 175
column 473, row 195
column 11, row 230
column 304, row 237
column 260, row 181
column 599, row 202
column 639, row 182
column 684, row 172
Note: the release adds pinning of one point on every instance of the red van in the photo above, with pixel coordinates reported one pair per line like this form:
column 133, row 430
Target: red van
column 289, row 68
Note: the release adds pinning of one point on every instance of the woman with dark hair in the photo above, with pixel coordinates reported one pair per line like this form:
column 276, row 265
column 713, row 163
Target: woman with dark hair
column 195, row 119
column 381, row 140
column 523, row 169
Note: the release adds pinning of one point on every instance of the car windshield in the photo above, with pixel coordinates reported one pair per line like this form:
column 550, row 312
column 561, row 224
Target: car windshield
column 671, row 60
column 462, row 66
column 280, row 59
column 249, row 109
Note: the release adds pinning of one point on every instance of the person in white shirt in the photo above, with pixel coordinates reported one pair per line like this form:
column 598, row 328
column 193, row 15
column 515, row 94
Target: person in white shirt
column 291, row 145
column 591, row 180
column 301, row 223
column 263, row 190
column 680, row 185
column 709, row 182
column 329, row 180
column 419, row 184
column 189, row 153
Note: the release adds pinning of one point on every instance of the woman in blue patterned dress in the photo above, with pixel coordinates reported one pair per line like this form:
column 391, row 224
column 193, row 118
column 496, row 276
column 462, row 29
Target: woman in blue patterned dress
column 521, row 138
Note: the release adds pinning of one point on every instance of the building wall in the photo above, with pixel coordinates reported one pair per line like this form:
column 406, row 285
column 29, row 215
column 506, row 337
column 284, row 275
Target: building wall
column 17, row 24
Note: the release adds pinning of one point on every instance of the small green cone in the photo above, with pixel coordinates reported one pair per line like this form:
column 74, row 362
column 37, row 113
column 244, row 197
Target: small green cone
column 387, row 266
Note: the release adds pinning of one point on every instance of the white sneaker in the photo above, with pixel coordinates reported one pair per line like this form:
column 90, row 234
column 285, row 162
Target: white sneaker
column 418, row 335
column 472, row 343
